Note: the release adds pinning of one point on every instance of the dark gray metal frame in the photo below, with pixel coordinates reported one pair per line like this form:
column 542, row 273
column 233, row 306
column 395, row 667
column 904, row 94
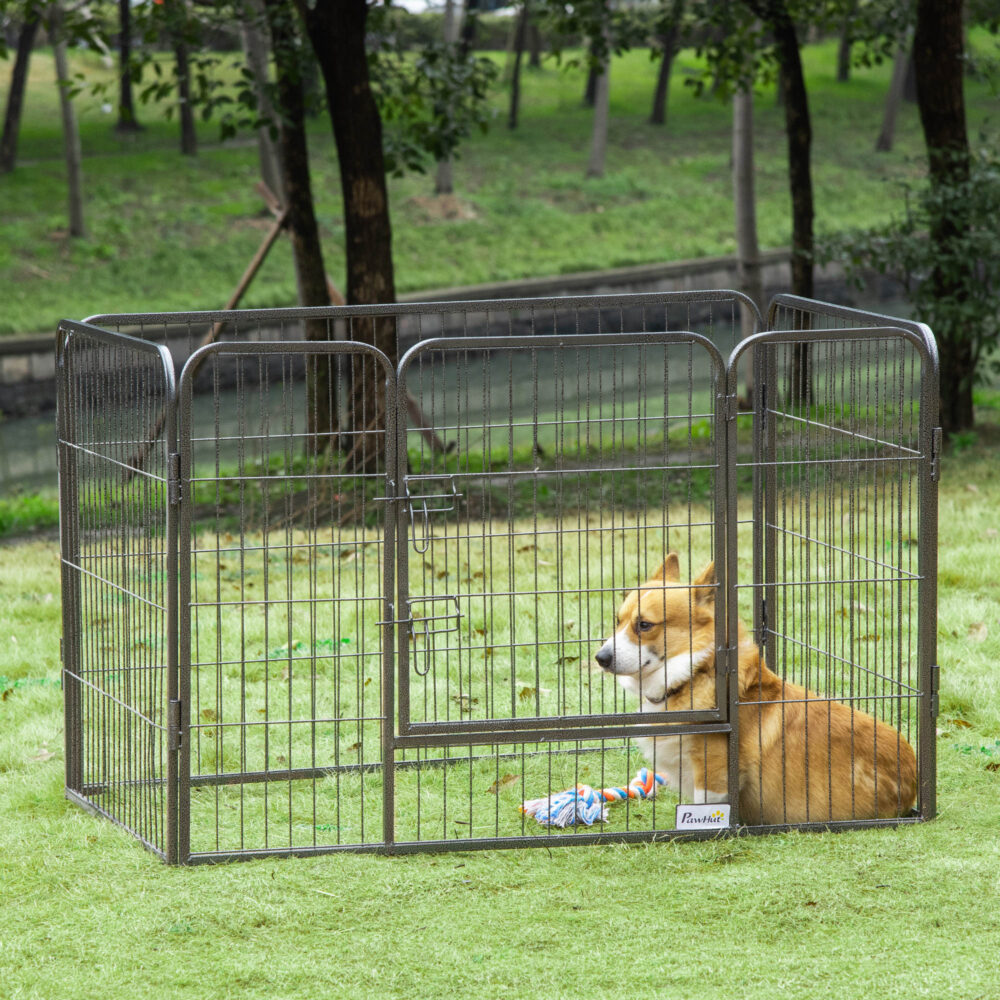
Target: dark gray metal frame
column 398, row 731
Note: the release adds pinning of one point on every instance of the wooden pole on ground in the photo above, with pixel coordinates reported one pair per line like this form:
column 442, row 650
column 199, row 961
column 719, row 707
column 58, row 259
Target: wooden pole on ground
column 138, row 459
column 280, row 214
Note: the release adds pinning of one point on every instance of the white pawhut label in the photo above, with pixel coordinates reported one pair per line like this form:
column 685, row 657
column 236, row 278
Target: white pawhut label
column 714, row 816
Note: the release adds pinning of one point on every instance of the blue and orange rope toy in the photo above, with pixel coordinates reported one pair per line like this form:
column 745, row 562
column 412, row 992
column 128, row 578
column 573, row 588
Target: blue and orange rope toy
column 586, row 805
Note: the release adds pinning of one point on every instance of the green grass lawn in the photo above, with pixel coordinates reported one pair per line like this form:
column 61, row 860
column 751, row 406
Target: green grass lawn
column 167, row 232
column 888, row 913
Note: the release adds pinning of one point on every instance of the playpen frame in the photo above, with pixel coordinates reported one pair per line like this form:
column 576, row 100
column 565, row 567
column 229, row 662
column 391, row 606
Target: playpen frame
column 162, row 454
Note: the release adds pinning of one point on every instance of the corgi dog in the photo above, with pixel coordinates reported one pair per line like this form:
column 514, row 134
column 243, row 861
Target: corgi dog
column 802, row 757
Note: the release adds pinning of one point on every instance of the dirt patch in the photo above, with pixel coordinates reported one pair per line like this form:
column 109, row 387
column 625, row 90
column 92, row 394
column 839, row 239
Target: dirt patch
column 442, row 208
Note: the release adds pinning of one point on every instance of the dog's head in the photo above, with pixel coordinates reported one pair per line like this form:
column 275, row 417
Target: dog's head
column 665, row 633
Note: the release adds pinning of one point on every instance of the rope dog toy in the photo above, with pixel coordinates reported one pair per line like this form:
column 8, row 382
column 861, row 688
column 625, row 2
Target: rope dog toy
column 586, row 805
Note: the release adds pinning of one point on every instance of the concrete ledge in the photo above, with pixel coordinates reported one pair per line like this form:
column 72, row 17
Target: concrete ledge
column 27, row 364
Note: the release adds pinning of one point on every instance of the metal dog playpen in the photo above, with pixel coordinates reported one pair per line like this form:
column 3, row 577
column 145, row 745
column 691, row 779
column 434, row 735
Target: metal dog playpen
column 315, row 599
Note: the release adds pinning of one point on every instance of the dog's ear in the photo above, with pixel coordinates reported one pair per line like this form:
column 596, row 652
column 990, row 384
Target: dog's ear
column 670, row 571
column 703, row 588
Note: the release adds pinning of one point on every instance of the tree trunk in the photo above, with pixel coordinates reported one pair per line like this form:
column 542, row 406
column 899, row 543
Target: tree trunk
column 658, row 116
column 893, row 100
column 745, row 205
column 668, row 42
column 957, row 374
column 939, row 58
column 189, row 137
column 593, row 73
column 590, row 87
column 127, row 121
column 15, row 99
column 256, row 50
column 336, row 29
column 910, row 81
column 177, row 11
column 444, row 182
column 599, row 137
column 534, row 46
column 303, row 230
column 509, row 46
column 467, row 31
column 515, row 80
column 71, row 134
column 844, row 52
column 799, row 132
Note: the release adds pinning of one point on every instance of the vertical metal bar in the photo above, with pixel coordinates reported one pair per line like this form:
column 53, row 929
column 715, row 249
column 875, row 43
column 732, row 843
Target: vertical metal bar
column 181, row 677
column 69, row 539
column 174, row 852
column 728, row 613
column 930, row 446
column 766, row 531
column 399, row 511
column 395, row 459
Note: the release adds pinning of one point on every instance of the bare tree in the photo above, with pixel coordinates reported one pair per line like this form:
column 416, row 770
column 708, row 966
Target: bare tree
column 178, row 26
column 255, row 48
column 938, row 51
column 127, row 120
column 534, row 45
column 893, row 99
column 599, row 135
column 520, row 37
column 668, row 39
column 745, row 204
column 798, row 129
column 15, row 97
column 303, row 229
column 844, row 46
column 444, row 181
column 357, row 132
column 593, row 72
column 71, row 133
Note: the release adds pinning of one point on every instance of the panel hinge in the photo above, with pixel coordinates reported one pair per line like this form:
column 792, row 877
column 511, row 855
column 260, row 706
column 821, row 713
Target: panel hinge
column 174, row 736
column 763, row 616
column 936, row 443
column 174, row 479
column 935, row 687
column 730, row 407
column 733, row 661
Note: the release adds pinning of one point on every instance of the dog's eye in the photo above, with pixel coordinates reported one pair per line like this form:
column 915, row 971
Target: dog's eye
column 643, row 626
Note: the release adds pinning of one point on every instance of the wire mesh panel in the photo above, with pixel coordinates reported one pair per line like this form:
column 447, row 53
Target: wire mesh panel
column 118, row 554
column 287, row 553
column 830, row 563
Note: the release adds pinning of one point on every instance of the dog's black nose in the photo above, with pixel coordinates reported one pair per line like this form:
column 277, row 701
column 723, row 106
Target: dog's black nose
column 604, row 658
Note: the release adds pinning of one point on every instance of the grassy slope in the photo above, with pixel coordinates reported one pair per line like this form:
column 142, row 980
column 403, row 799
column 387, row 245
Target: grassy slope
column 172, row 233
column 906, row 913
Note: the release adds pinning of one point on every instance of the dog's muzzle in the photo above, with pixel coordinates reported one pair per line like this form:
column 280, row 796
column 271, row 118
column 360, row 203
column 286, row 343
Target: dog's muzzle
column 604, row 658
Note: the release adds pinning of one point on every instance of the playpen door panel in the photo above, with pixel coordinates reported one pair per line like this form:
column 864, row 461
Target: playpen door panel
column 834, row 544
column 287, row 552
column 545, row 478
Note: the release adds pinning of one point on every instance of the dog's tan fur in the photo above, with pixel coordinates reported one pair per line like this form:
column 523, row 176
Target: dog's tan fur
column 801, row 758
